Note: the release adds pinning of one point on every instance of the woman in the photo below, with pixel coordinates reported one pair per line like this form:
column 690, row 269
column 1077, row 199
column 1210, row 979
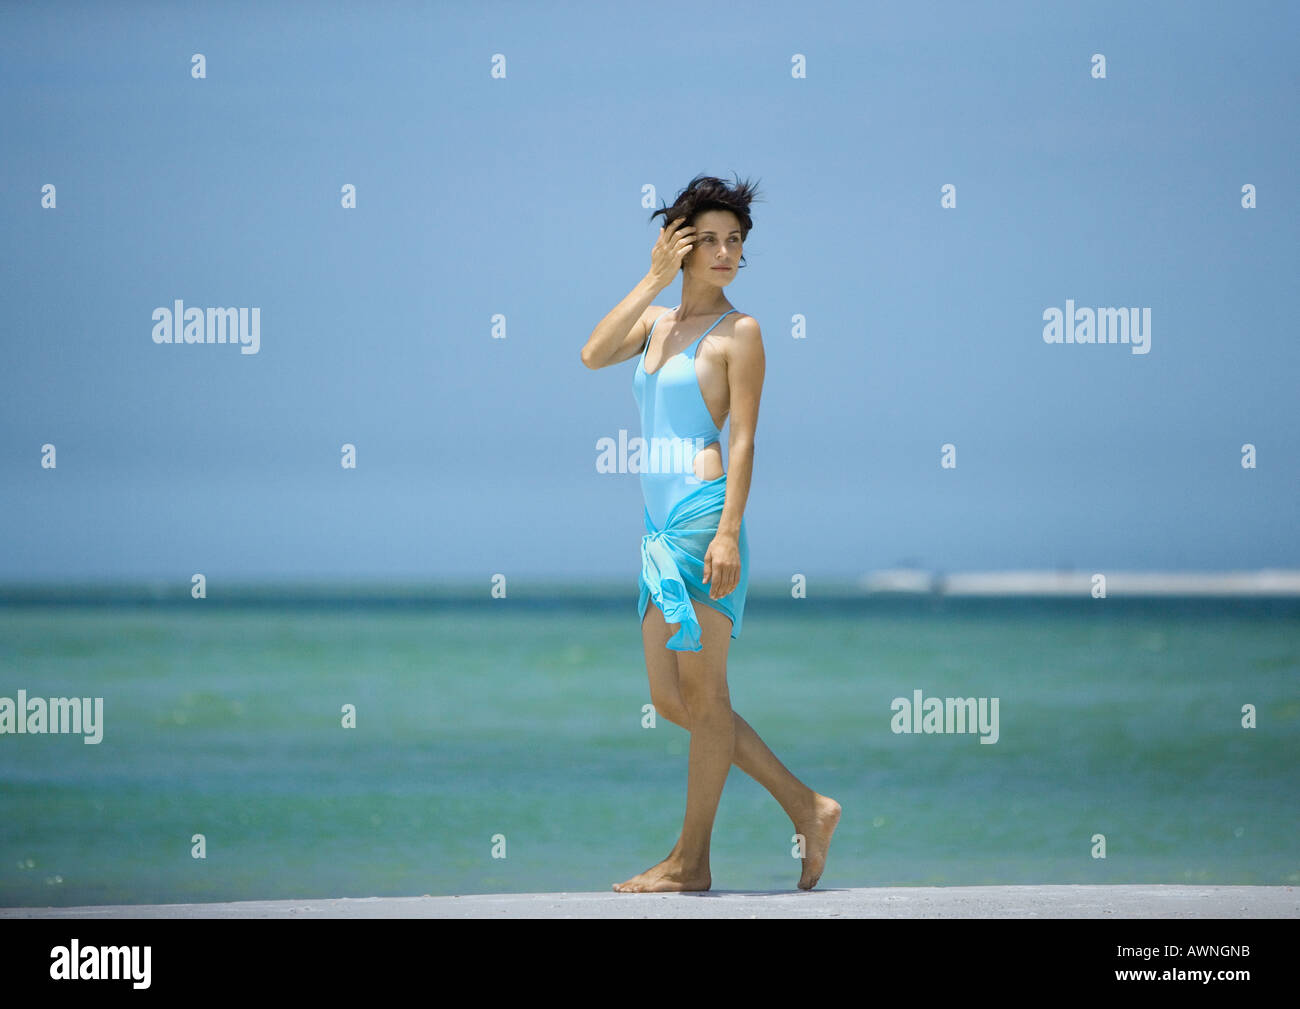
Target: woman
column 695, row 364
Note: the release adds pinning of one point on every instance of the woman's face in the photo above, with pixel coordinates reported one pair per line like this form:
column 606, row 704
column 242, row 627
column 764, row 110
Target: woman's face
column 717, row 249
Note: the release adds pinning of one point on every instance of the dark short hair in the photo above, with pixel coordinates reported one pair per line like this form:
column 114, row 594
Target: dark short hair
column 704, row 192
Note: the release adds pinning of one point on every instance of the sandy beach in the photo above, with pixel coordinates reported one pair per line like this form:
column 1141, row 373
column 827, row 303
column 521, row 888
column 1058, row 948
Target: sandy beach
column 1113, row 901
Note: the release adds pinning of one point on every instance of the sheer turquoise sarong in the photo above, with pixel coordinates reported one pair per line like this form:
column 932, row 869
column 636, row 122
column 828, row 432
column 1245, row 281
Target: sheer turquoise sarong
column 672, row 565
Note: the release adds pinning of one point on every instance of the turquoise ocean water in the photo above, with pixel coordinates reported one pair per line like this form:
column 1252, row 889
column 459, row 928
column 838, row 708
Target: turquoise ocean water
column 523, row 718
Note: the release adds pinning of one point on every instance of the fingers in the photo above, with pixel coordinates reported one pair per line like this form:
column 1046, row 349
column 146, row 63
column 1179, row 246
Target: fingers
column 677, row 237
column 724, row 582
column 721, row 576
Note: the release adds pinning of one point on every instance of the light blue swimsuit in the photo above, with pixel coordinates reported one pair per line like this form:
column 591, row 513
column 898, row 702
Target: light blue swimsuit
column 682, row 511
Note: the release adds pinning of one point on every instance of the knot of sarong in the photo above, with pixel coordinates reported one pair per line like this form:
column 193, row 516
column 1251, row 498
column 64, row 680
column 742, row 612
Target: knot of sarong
column 668, row 590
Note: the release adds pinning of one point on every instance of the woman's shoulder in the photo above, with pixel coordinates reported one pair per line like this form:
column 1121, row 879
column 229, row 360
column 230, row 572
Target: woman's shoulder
column 745, row 341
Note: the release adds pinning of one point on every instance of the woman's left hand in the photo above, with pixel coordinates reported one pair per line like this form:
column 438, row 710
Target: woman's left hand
column 722, row 565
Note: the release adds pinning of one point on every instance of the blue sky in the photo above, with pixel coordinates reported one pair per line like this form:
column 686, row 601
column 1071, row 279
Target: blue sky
column 523, row 197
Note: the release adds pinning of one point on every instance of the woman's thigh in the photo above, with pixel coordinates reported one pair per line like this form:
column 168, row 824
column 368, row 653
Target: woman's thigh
column 702, row 675
column 661, row 665
column 706, row 668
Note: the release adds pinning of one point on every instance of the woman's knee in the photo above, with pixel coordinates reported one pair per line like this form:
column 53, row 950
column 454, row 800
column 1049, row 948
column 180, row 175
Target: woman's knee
column 705, row 700
column 673, row 710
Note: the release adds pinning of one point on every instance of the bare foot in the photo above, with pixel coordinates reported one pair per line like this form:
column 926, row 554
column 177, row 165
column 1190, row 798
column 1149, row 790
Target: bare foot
column 817, row 830
column 668, row 876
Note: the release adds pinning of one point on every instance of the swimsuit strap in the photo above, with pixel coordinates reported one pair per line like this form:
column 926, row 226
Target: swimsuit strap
column 709, row 330
column 650, row 335
column 694, row 342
